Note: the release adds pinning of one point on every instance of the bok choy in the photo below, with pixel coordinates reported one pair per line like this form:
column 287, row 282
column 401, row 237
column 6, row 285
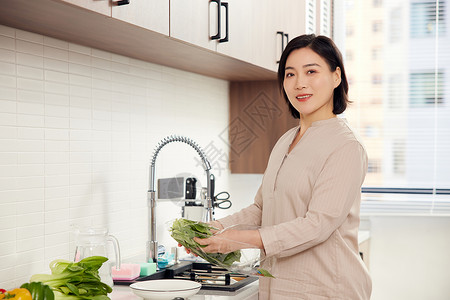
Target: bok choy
column 76, row 280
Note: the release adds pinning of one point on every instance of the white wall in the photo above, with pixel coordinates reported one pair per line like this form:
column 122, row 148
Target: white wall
column 77, row 130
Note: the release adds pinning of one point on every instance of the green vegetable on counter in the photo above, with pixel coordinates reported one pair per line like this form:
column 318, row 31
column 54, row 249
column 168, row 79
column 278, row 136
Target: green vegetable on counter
column 39, row 291
column 75, row 280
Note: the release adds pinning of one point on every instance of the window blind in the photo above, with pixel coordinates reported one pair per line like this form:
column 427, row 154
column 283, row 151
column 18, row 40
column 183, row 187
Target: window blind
column 397, row 60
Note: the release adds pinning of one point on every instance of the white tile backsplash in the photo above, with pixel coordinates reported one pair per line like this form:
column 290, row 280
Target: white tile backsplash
column 29, row 47
column 22, row 35
column 7, row 55
column 77, row 131
column 7, row 106
column 56, row 65
column 7, row 42
column 7, row 68
column 30, row 96
column 26, row 59
column 30, row 84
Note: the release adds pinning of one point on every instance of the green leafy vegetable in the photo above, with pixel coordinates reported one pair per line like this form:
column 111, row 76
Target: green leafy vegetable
column 39, row 291
column 184, row 231
column 75, row 280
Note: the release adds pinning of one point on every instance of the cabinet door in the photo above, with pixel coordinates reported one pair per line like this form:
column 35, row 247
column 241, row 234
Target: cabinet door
column 240, row 29
column 152, row 15
column 99, row 6
column 194, row 22
column 294, row 24
column 266, row 43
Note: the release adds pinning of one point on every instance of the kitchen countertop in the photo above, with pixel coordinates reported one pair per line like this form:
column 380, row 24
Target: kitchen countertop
column 249, row 292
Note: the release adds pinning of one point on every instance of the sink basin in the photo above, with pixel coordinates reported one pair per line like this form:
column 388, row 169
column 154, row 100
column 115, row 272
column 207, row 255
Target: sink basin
column 209, row 276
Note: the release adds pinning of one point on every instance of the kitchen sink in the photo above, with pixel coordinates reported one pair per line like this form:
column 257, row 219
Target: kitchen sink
column 211, row 277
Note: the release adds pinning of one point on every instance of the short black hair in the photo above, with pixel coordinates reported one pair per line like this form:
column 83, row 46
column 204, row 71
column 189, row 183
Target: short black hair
column 326, row 48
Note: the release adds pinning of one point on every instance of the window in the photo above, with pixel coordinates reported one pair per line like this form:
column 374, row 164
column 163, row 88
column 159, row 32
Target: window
column 395, row 97
column 395, row 25
column 376, row 53
column 373, row 166
column 377, row 26
column 399, row 157
column 310, row 16
column 400, row 86
column 377, row 79
column 425, row 17
column 349, row 55
column 376, row 101
column 424, row 90
column 349, row 31
column 377, row 3
column 371, row 131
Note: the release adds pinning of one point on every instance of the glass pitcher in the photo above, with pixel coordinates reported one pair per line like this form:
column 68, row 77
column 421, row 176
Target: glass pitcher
column 92, row 241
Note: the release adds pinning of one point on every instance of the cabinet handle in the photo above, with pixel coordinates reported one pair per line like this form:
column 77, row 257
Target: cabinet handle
column 283, row 36
column 217, row 36
column 121, row 2
column 282, row 42
column 225, row 39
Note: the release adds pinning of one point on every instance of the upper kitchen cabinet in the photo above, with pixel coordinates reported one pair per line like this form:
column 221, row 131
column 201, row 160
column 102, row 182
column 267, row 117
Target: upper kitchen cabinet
column 294, row 24
column 257, row 31
column 140, row 30
column 99, row 6
column 236, row 28
column 244, row 30
column 192, row 21
column 264, row 38
column 152, row 15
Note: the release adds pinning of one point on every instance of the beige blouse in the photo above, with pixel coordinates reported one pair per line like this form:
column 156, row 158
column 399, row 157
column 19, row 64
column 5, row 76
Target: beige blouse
column 308, row 208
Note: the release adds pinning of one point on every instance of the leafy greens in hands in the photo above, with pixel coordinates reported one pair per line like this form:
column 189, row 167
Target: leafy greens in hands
column 184, row 231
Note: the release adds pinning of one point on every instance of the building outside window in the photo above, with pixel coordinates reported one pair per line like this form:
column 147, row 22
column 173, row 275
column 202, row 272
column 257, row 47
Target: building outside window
column 425, row 17
column 406, row 67
column 426, row 89
column 377, row 26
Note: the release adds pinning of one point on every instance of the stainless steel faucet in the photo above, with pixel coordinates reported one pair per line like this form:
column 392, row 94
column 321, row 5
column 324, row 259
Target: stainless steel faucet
column 152, row 244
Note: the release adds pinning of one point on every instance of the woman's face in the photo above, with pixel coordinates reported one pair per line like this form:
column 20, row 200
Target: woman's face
column 309, row 84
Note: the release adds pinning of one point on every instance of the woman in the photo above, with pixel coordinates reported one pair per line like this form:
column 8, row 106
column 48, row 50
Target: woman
column 309, row 200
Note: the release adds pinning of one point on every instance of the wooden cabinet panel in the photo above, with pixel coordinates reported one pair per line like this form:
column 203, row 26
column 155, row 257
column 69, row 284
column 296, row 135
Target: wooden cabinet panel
column 258, row 117
column 152, row 15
